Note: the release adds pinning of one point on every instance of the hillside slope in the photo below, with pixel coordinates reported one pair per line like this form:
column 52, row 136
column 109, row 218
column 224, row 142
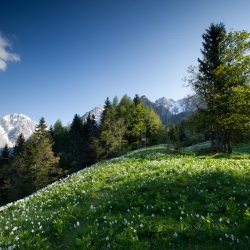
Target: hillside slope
column 148, row 199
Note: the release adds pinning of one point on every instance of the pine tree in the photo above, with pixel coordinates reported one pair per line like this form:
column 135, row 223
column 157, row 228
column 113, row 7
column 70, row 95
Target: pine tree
column 41, row 129
column 59, row 137
column 5, row 155
column 76, row 143
column 107, row 106
column 19, row 145
column 40, row 163
column 221, row 83
column 90, row 134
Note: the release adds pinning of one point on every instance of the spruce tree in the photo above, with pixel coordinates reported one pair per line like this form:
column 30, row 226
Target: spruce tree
column 90, row 134
column 222, row 83
column 59, row 137
column 107, row 106
column 41, row 129
column 40, row 163
column 5, row 155
column 76, row 143
column 19, row 145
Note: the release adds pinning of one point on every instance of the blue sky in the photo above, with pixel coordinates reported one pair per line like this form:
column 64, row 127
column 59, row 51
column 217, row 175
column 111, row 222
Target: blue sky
column 59, row 58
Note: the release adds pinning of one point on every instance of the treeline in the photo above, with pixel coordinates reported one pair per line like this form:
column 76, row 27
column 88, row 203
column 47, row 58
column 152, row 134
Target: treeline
column 52, row 153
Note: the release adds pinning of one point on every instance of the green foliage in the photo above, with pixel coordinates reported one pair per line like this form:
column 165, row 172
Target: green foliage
column 40, row 164
column 41, row 129
column 19, row 145
column 124, row 107
column 108, row 140
column 107, row 106
column 59, row 136
column 136, row 126
column 5, row 156
column 221, row 83
column 123, row 125
column 75, row 144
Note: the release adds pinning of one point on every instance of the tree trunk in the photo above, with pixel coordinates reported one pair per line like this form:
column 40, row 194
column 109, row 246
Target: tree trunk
column 211, row 139
column 229, row 146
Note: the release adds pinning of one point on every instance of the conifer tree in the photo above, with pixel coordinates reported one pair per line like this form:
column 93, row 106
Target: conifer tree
column 59, row 137
column 107, row 105
column 76, row 143
column 19, row 145
column 41, row 129
column 40, row 163
column 222, row 83
column 5, row 155
column 90, row 134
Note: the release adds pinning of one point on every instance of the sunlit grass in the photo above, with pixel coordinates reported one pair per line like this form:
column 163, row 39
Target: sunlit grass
column 151, row 198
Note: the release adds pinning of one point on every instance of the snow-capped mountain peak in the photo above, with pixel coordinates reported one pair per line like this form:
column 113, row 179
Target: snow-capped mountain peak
column 12, row 125
column 175, row 107
column 97, row 112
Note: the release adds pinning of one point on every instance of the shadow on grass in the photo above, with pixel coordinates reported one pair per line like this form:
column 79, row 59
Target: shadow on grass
column 177, row 211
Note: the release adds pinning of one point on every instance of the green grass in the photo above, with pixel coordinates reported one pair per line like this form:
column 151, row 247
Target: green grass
column 151, row 198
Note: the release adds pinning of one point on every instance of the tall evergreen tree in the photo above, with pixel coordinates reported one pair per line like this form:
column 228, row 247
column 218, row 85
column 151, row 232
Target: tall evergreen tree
column 107, row 106
column 59, row 137
column 40, row 164
column 11, row 180
column 5, row 155
column 76, row 143
column 90, row 129
column 41, row 129
column 221, row 82
column 19, row 145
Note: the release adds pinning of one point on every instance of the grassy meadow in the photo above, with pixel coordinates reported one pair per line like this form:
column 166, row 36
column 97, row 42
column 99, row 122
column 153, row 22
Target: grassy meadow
column 153, row 198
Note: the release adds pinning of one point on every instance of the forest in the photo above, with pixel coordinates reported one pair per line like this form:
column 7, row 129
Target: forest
column 221, row 92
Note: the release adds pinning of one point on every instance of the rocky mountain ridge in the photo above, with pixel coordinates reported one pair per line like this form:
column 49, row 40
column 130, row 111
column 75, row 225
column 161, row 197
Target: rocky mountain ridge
column 169, row 110
column 97, row 112
column 166, row 109
column 12, row 125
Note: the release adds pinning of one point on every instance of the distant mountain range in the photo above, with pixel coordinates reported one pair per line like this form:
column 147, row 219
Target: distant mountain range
column 11, row 126
column 167, row 109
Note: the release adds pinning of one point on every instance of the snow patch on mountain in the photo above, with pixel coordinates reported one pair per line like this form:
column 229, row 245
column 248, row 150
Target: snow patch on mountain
column 97, row 112
column 175, row 107
column 12, row 125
